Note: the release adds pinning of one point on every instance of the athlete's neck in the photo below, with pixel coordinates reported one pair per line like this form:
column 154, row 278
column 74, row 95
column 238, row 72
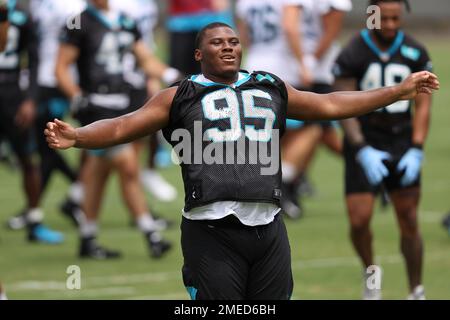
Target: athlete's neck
column 224, row 79
column 381, row 41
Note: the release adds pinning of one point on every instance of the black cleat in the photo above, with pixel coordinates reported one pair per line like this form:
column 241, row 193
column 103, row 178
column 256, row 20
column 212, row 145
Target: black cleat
column 158, row 246
column 304, row 187
column 72, row 211
column 92, row 250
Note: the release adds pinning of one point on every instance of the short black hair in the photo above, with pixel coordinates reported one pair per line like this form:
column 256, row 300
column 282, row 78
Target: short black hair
column 406, row 2
column 201, row 33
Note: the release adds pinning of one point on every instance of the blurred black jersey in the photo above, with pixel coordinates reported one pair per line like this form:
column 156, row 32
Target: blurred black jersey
column 216, row 118
column 21, row 43
column 102, row 44
column 373, row 68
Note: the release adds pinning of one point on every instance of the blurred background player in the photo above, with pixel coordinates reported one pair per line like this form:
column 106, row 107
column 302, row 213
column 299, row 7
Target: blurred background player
column 145, row 13
column 98, row 49
column 49, row 17
column 320, row 28
column 185, row 19
column 385, row 147
column 18, row 109
column 270, row 31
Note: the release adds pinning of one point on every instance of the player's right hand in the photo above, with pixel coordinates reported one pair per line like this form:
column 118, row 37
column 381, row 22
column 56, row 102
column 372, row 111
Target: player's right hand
column 60, row 135
column 419, row 82
column 371, row 161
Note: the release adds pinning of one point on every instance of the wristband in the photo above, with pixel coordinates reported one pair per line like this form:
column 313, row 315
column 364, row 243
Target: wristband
column 417, row 146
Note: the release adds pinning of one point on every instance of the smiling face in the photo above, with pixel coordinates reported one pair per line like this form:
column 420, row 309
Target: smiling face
column 220, row 54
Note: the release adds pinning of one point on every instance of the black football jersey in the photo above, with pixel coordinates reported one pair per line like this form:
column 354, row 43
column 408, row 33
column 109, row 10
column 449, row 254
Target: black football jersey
column 238, row 117
column 21, row 41
column 373, row 68
column 102, row 48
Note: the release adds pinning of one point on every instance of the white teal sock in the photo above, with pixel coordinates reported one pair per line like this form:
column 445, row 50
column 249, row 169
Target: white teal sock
column 88, row 229
column 34, row 215
column 146, row 223
column 76, row 192
column 289, row 172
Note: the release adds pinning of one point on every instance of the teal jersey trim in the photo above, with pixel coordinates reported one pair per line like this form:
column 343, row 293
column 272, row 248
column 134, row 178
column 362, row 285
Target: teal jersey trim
column 194, row 78
column 383, row 54
column 410, row 52
column 97, row 14
column 192, row 292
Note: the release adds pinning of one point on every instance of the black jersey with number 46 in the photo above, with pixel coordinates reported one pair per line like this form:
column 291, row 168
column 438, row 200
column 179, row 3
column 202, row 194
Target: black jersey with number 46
column 212, row 119
column 373, row 68
column 102, row 46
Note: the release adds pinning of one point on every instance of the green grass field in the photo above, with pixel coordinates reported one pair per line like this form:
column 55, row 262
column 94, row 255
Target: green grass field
column 324, row 264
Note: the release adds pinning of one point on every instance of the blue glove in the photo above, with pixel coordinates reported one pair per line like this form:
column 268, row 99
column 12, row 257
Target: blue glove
column 411, row 162
column 371, row 161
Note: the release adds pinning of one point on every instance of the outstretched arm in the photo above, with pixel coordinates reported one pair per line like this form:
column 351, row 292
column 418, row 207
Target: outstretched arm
column 154, row 115
column 347, row 104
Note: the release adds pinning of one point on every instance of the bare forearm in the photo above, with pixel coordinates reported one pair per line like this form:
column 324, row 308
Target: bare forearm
column 421, row 122
column 66, row 83
column 243, row 33
column 3, row 34
column 333, row 24
column 291, row 20
column 338, row 105
column 153, row 67
column 352, row 130
column 150, row 118
column 100, row 134
column 348, row 104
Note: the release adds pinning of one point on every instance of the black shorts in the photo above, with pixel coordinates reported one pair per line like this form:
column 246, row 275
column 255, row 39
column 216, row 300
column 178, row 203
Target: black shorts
column 182, row 47
column 320, row 88
column 355, row 178
column 138, row 97
column 52, row 103
column 22, row 140
column 94, row 113
column 225, row 260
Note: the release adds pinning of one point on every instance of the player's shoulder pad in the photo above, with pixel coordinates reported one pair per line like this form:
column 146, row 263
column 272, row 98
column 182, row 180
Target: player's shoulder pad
column 412, row 49
column 266, row 76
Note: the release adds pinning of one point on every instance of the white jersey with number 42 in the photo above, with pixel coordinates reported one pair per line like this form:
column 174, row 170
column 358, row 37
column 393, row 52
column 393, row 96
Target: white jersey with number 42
column 51, row 16
column 268, row 48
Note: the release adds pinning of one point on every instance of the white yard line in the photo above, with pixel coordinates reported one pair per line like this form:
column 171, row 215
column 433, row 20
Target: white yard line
column 158, row 277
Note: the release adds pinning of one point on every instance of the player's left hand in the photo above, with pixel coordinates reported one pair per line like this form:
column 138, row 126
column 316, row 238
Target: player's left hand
column 411, row 163
column 26, row 114
column 419, row 82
